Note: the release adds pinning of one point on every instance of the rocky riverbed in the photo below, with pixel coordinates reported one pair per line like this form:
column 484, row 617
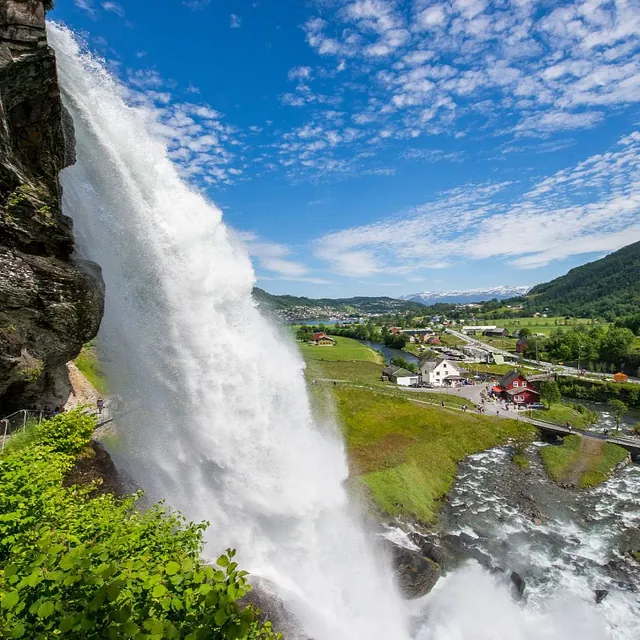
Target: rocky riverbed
column 550, row 550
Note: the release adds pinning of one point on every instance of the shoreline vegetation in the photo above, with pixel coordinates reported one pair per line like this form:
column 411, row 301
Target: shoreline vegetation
column 581, row 462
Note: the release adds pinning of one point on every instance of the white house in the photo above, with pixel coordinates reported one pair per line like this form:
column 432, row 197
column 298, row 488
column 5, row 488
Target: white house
column 439, row 372
column 400, row 376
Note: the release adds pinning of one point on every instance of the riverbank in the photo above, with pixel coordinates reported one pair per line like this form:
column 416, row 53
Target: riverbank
column 582, row 462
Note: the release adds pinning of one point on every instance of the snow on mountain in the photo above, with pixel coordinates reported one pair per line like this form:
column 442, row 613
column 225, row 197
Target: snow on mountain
column 470, row 295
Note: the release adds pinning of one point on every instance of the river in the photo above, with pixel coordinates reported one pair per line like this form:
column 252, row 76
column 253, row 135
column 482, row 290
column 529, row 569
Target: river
column 390, row 353
column 566, row 544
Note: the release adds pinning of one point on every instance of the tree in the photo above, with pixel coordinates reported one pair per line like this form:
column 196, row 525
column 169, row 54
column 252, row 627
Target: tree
column 616, row 344
column 550, row 392
column 48, row 4
column 401, row 362
column 525, row 332
column 618, row 409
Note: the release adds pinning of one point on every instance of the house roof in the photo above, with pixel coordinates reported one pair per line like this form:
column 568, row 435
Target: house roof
column 505, row 381
column 397, row 372
column 520, row 390
column 430, row 363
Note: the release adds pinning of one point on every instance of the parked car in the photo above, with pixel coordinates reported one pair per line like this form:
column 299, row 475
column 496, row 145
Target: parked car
column 536, row 405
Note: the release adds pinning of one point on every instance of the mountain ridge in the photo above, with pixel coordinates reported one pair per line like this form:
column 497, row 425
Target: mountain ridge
column 500, row 292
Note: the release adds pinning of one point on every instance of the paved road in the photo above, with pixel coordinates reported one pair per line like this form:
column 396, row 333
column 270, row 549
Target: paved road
column 540, row 364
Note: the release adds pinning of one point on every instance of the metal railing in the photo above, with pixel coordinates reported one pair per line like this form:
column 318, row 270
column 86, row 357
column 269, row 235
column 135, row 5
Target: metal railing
column 18, row 421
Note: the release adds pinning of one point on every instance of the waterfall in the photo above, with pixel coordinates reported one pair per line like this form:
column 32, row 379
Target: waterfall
column 217, row 420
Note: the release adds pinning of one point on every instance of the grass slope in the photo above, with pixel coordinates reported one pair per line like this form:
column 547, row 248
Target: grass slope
column 89, row 365
column 582, row 462
column 407, row 454
column 562, row 413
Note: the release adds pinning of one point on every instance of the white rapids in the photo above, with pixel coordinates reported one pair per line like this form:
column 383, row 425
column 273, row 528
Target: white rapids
column 218, row 421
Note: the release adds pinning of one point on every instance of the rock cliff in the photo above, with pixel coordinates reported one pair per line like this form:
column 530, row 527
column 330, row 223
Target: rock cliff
column 50, row 303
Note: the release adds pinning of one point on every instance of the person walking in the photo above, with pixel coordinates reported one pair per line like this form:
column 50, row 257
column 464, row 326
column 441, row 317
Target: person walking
column 100, row 405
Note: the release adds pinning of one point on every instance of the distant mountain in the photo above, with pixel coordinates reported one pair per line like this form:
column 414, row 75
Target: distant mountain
column 608, row 288
column 294, row 307
column 467, row 296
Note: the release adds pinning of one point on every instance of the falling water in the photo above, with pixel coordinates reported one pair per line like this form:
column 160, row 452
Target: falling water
column 218, row 419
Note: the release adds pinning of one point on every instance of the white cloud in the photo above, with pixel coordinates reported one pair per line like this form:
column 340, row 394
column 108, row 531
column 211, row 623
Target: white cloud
column 86, row 6
column 274, row 257
column 235, row 21
column 593, row 206
column 196, row 5
column 114, row 7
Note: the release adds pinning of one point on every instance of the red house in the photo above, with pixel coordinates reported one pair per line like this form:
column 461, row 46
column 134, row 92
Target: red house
column 514, row 387
column 522, row 345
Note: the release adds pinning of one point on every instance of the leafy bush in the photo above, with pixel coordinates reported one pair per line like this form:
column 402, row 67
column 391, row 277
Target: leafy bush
column 67, row 432
column 76, row 566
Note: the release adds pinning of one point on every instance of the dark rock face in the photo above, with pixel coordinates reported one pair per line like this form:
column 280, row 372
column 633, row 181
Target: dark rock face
column 50, row 304
column 415, row 574
column 600, row 595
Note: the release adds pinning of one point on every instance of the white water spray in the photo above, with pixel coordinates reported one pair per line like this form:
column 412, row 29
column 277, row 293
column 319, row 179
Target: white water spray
column 219, row 421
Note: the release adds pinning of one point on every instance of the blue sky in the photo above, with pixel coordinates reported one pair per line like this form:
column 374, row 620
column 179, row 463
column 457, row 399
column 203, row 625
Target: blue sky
column 381, row 147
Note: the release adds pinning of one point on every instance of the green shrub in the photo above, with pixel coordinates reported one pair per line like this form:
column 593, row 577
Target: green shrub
column 81, row 567
column 67, row 432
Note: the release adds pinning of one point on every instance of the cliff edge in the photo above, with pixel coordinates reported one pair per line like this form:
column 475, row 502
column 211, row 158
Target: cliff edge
column 50, row 303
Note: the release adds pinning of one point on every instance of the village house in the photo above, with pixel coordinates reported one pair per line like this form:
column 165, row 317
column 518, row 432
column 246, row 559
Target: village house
column 522, row 345
column 322, row 339
column 473, row 329
column 400, row 376
column 418, row 335
column 496, row 332
column 439, row 372
column 514, row 387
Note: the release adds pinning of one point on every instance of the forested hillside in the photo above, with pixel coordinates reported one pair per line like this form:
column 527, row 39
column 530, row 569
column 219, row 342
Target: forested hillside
column 606, row 288
column 360, row 304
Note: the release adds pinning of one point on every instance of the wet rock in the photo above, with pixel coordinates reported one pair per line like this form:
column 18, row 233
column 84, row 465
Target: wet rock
column 272, row 608
column 50, row 304
column 415, row 574
column 600, row 595
column 519, row 584
column 434, row 552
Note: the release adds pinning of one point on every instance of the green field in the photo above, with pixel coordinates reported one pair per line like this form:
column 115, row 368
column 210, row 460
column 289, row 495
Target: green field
column 406, row 454
column 581, row 462
column 497, row 369
column 543, row 325
column 345, row 349
column 401, row 449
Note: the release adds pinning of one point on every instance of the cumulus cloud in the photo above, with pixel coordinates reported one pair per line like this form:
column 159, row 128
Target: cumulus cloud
column 235, row 21
column 276, row 259
column 593, row 206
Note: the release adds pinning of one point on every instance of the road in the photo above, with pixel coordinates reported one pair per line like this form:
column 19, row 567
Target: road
column 539, row 364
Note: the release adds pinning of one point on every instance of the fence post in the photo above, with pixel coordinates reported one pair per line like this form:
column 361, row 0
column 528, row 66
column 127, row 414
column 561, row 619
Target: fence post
column 24, row 420
column 4, row 437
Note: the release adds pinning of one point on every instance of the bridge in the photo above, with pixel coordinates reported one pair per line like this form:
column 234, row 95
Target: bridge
column 632, row 445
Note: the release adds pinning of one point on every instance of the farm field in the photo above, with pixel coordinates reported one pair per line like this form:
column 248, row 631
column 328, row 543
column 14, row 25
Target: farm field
column 543, row 325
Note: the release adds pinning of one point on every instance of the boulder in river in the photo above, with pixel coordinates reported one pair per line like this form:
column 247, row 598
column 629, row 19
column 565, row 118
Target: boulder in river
column 600, row 595
column 415, row 574
column 519, row 584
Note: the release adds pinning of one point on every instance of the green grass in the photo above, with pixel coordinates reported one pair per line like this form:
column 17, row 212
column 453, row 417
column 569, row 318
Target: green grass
column 543, row 325
column 506, row 344
column 498, row 369
column 562, row 413
column 407, row 454
column 449, row 340
column 89, row 365
column 564, row 462
column 344, row 349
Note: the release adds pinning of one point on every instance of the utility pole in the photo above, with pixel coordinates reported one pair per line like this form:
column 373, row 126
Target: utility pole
column 579, row 352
